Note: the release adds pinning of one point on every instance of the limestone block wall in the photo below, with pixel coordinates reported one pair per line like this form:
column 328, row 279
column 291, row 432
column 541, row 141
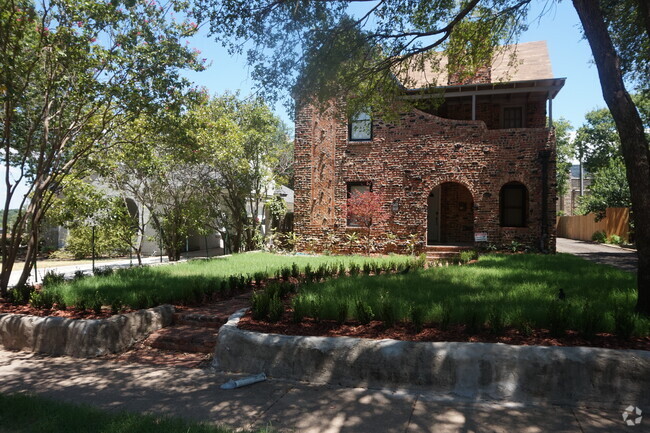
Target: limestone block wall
column 81, row 338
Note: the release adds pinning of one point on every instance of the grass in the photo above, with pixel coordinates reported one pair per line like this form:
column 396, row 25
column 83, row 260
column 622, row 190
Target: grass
column 148, row 286
column 498, row 291
column 25, row 413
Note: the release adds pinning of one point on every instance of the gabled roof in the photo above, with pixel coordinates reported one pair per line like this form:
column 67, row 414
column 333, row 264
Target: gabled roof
column 521, row 62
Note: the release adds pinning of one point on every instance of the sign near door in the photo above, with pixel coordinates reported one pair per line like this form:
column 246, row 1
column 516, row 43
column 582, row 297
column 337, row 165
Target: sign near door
column 480, row 237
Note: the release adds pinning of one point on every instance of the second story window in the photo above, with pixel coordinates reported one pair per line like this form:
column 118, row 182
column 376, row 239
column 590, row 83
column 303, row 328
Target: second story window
column 513, row 117
column 360, row 127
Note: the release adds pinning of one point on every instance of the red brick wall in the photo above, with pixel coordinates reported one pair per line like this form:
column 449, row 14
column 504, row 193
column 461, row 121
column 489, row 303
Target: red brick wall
column 404, row 162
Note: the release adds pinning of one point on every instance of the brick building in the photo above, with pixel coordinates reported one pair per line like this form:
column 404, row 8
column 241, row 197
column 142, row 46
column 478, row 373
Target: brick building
column 480, row 167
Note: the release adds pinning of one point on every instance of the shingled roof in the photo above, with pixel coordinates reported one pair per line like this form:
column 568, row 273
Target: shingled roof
column 521, row 62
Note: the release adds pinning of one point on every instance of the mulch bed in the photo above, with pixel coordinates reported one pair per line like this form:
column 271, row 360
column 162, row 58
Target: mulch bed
column 404, row 331
column 69, row 313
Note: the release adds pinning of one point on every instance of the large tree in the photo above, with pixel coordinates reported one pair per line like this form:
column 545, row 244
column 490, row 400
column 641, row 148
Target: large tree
column 70, row 71
column 356, row 48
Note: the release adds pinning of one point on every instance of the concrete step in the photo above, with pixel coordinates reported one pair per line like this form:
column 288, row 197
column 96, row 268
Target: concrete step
column 200, row 320
column 184, row 338
column 442, row 255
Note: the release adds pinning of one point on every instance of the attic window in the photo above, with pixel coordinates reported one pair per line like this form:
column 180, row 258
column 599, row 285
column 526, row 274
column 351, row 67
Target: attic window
column 513, row 117
column 360, row 127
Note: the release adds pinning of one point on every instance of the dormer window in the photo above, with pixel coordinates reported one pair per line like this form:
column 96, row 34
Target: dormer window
column 360, row 127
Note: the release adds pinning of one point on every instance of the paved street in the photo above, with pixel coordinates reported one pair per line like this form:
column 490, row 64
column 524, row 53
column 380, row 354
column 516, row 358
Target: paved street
column 622, row 258
column 297, row 407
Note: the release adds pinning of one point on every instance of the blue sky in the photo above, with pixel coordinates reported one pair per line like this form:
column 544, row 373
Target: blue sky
column 559, row 26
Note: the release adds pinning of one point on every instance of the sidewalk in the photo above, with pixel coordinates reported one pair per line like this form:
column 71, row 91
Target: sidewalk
column 87, row 268
column 297, row 407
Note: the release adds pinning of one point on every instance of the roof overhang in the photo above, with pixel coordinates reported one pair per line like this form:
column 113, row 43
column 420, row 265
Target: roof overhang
column 548, row 86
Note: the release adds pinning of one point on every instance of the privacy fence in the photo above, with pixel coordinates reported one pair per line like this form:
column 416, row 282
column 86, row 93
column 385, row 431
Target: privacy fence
column 582, row 227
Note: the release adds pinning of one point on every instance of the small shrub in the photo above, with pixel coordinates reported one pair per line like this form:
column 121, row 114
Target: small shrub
column 420, row 262
column 467, row 256
column 445, row 318
column 309, row 274
column 300, row 309
column 276, row 308
column 524, row 327
column 52, row 278
column 295, row 270
column 260, row 305
column 232, row 284
column 614, row 239
column 388, row 313
column 104, row 271
column 80, row 304
column 557, row 318
column 514, row 247
column 367, row 268
column 496, row 322
column 473, row 322
column 590, row 320
column 116, row 306
column 249, row 281
column 599, row 236
column 416, row 315
column 41, row 299
column 363, row 312
column 341, row 312
column 342, row 269
column 96, row 305
column 20, row 295
column 141, row 302
column 624, row 322
column 285, row 273
column 259, row 277
column 78, row 275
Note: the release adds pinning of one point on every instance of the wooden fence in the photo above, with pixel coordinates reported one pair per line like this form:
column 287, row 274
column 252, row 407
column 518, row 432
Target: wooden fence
column 582, row 227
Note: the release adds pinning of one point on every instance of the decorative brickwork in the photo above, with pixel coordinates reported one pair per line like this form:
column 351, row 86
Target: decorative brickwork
column 405, row 161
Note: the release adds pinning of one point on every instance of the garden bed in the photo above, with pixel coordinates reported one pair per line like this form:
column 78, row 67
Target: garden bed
column 376, row 330
column 546, row 300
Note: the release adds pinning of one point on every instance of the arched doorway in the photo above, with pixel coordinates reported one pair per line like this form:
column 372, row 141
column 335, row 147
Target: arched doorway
column 450, row 215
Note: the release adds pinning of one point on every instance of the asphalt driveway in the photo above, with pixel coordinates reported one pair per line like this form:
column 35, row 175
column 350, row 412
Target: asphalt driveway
column 622, row 258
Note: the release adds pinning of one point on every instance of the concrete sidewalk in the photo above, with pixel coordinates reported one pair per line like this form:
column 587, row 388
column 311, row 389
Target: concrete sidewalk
column 288, row 406
column 604, row 254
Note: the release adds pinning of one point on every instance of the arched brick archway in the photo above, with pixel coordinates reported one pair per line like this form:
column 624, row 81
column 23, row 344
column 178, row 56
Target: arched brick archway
column 450, row 215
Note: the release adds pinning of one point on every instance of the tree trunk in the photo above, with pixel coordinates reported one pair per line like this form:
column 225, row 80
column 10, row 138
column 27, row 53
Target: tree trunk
column 634, row 144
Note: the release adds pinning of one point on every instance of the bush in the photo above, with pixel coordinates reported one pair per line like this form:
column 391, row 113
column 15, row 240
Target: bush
column 276, row 308
column 367, row 268
column 558, row 318
column 354, row 269
column 590, row 320
column 295, row 270
column 342, row 269
column 41, row 299
column 624, row 322
column 341, row 312
column 20, row 295
column 104, row 271
column 416, row 314
column 363, row 312
column 388, row 313
column 468, row 255
column 496, row 322
column 599, row 236
column 300, row 309
column 52, row 278
column 615, row 239
column 473, row 322
column 260, row 305
column 285, row 273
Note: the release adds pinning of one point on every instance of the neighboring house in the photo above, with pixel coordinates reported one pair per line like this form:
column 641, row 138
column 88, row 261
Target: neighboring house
column 568, row 203
column 479, row 168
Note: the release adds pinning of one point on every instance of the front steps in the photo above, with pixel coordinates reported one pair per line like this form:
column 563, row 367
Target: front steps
column 444, row 252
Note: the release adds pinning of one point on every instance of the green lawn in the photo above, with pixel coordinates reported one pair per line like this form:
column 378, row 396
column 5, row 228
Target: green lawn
column 148, row 286
column 21, row 413
column 506, row 290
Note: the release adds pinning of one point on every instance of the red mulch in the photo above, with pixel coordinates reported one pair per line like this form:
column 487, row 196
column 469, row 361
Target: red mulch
column 69, row 313
column 404, row 331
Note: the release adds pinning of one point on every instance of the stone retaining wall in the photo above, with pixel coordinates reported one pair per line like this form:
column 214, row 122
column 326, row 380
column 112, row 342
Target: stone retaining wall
column 563, row 375
column 81, row 338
